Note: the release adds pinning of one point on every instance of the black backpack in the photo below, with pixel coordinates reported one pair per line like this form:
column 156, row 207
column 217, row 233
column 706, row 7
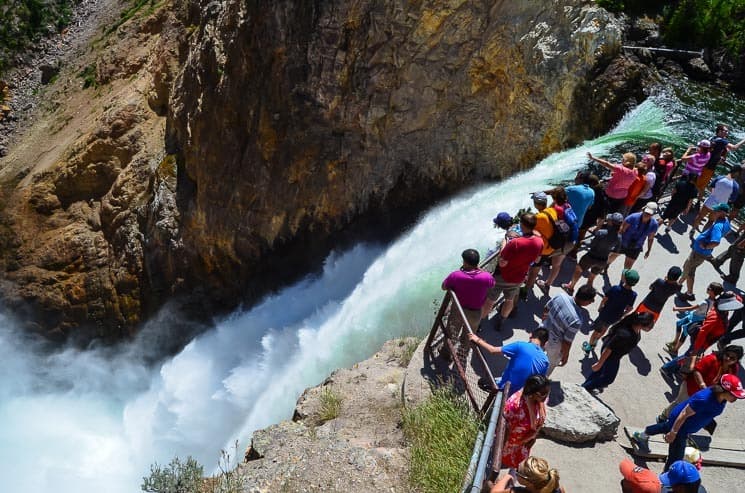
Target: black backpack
column 562, row 232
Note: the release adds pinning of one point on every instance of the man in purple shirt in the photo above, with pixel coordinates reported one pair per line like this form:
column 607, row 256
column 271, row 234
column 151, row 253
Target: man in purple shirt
column 470, row 285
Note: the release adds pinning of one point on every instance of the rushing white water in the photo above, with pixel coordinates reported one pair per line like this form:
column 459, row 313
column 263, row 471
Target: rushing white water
column 93, row 421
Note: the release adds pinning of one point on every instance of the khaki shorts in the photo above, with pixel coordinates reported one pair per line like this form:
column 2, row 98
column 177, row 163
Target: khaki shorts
column 691, row 264
column 568, row 247
column 510, row 289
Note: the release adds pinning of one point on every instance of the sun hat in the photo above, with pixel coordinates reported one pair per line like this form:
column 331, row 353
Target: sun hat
column 728, row 302
column 503, row 220
column 732, row 384
column 616, row 217
column 704, row 143
column 631, row 276
column 681, row 472
column 720, row 208
column 539, row 197
column 639, row 479
column 650, row 208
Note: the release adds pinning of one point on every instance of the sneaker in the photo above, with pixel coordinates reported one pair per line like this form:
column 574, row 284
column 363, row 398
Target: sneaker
column 660, row 418
column 688, row 296
column 587, row 347
column 668, row 229
column 641, row 439
column 542, row 286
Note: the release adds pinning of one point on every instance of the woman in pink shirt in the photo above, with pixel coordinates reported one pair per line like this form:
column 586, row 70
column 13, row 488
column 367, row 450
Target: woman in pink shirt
column 621, row 178
column 696, row 161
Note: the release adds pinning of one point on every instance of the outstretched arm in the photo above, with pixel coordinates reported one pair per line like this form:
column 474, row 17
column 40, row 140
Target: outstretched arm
column 601, row 162
column 485, row 345
column 687, row 155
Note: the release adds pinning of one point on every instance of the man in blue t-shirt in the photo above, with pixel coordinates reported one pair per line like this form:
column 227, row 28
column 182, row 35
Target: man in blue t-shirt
column 691, row 415
column 703, row 246
column 580, row 195
column 526, row 358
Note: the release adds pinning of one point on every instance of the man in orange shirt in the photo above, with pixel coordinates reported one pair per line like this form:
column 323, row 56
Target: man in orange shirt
column 545, row 228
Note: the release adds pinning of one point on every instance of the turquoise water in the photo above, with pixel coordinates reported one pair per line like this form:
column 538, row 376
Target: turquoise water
column 94, row 421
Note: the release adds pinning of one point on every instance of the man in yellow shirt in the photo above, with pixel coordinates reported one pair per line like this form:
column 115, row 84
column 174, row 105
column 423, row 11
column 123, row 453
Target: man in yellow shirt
column 544, row 227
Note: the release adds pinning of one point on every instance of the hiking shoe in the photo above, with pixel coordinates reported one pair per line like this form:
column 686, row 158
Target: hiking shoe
column 587, row 347
column 641, row 439
column 688, row 296
column 569, row 289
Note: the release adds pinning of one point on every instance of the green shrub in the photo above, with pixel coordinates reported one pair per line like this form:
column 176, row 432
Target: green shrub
column 176, row 477
column 441, row 432
column 22, row 22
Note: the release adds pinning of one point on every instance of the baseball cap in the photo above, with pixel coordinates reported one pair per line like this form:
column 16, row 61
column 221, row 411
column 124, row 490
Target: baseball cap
column 681, row 472
column 704, row 143
column 631, row 276
column 503, row 220
column 674, row 272
column 539, row 197
column 638, row 479
column 650, row 208
column 728, row 302
column 616, row 217
column 731, row 383
column 721, row 208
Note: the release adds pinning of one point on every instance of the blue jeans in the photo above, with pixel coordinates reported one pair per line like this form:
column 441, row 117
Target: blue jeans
column 675, row 450
column 604, row 377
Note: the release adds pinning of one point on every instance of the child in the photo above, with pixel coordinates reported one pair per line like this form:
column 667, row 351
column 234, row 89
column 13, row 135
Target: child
column 660, row 291
column 696, row 314
column 617, row 302
column 623, row 337
column 696, row 161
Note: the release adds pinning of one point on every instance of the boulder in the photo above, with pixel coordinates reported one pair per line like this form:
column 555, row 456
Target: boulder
column 576, row 416
column 48, row 72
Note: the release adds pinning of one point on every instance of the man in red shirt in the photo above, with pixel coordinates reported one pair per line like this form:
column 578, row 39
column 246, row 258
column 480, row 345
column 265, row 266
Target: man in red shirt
column 515, row 260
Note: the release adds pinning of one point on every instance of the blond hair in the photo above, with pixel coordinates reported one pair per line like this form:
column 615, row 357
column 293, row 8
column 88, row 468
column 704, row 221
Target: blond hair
column 629, row 159
column 537, row 473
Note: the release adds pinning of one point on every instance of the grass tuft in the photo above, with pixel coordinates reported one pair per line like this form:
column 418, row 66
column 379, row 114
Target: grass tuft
column 330, row 404
column 441, row 432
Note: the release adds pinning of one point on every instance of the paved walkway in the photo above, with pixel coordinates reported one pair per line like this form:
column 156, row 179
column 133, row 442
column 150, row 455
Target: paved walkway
column 639, row 392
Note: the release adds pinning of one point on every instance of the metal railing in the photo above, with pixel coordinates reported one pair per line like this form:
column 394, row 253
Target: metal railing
column 448, row 341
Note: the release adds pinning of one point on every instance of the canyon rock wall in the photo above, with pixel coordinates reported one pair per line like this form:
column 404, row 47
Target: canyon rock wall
column 215, row 146
column 291, row 119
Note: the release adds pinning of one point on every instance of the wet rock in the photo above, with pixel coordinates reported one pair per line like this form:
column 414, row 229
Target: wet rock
column 575, row 416
column 697, row 69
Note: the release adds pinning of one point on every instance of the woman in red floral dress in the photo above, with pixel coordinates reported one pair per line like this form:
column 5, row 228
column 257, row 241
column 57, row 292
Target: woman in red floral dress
column 524, row 413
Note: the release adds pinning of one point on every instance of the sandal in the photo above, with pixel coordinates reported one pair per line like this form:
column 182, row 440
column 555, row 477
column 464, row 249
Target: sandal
column 568, row 289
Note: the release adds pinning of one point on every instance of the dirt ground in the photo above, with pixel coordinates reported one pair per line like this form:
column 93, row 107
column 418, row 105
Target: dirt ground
column 640, row 392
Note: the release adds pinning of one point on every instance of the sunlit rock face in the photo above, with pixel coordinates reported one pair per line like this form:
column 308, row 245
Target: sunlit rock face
column 230, row 142
column 291, row 119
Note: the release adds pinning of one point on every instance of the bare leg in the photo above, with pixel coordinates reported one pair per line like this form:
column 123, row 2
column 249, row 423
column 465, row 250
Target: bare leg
column 555, row 269
column 507, row 306
column 628, row 262
column 532, row 276
column 575, row 277
column 591, row 278
column 613, row 256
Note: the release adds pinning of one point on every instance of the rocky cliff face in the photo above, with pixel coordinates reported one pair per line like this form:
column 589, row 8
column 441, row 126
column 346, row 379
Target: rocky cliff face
column 291, row 119
column 284, row 123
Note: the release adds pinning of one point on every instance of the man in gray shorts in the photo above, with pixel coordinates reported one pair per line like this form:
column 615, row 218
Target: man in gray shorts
column 514, row 262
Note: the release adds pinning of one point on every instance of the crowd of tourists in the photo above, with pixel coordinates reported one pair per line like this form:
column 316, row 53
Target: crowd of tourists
column 604, row 219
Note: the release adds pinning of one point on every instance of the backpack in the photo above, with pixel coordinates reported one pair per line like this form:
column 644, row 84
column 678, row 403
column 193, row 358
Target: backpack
column 571, row 219
column 562, row 232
